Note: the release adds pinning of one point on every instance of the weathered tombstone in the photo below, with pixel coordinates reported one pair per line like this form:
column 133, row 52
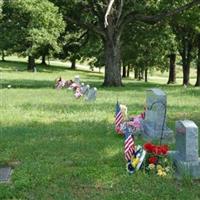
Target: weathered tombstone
column 186, row 157
column 86, row 91
column 91, row 96
column 5, row 173
column 84, row 88
column 77, row 79
column 154, row 124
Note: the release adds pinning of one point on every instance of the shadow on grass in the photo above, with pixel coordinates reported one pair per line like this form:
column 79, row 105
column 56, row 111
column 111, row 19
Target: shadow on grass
column 62, row 154
column 24, row 83
column 13, row 66
column 22, row 66
column 61, row 140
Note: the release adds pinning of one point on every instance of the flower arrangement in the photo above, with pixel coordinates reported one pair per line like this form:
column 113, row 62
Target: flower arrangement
column 157, row 161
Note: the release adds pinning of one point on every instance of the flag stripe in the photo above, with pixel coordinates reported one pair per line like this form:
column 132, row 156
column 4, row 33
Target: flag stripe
column 118, row 116
column 128, row 145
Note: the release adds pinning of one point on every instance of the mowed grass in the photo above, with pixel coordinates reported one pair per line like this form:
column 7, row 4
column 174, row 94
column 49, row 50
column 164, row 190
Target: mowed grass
column 67, row 148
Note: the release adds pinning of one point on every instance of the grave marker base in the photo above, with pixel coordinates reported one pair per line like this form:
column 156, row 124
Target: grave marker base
column 185, row 169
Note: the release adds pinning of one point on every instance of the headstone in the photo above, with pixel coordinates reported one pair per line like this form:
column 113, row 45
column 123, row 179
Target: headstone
column 5, row 173
column 186, row 157
column 154, row 124
column 77, row 79
column 84, row 88
column 91, row 96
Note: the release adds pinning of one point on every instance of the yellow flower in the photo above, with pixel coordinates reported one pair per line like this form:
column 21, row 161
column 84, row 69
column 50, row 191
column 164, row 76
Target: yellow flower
column 161, row 173
column 135, row 161
column 159, row 167
column 151, row 166
column 164, row 173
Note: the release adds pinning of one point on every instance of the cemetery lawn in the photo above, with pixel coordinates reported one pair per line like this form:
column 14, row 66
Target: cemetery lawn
column 62, row 148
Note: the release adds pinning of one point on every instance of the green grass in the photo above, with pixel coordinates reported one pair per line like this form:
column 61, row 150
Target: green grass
column 68, row 149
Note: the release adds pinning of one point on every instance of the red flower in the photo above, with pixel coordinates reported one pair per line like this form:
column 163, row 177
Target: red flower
column 153, row 160
column 164, row 149
column 156, row 149
column 149, row 147
column 160, row 150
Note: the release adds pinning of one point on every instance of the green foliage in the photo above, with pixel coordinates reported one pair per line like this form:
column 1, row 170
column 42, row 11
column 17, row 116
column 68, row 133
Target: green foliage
column 147, row 47
column 32, row 25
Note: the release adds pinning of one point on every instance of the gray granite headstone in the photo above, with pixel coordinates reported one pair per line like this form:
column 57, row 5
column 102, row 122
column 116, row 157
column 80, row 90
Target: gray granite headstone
column 5, row 173
column 186, row 157
column 77, row 79
column 87, row 88
column 91, row 96
column 84, row 89
column 154, row 124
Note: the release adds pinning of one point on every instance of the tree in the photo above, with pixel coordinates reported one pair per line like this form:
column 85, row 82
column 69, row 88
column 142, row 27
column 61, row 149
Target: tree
column 33, row 25
column 198, row 61
column 120, row 14
column 72, row 42
column 146, row 47
column 172, row 52
column 186, row 29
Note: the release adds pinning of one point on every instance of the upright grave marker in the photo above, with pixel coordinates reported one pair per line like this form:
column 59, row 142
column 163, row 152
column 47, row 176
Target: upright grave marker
column 77, row 79
column 186, row 157
column 91, row 96
column 154, row 124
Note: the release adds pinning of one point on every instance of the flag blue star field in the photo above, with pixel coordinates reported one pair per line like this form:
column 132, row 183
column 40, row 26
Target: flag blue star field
column 128, row 145
column 118, row 116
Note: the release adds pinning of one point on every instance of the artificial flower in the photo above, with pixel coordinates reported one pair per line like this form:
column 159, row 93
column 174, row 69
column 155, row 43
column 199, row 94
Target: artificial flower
column 159, row 167
column 167, row 169
column 161, row 173
column 135, row 161
column 151, row 166
column 153, row 160
column 149, row 147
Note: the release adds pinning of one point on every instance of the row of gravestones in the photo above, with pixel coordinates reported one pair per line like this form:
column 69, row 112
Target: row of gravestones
column 89, row 93
column 185, row 157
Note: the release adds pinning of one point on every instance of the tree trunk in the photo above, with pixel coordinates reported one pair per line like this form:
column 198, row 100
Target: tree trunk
column 44, row 60
column 128, row 71
column 146, row 75
column 2, row 55
column 31, row 63
column 73, row 63
column 124, row 72
column 141, row 74
column 197, row 84
column 112, row 59
column 186, row 59
column 172, row 69
column 136, row 73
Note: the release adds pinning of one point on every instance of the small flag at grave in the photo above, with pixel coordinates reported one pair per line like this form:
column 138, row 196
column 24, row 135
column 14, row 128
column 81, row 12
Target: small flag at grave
column 118, row 116
column 128, row 145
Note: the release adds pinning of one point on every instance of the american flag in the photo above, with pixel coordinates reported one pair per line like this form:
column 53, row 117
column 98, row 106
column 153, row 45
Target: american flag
column 128, row 145
column 118, row 116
